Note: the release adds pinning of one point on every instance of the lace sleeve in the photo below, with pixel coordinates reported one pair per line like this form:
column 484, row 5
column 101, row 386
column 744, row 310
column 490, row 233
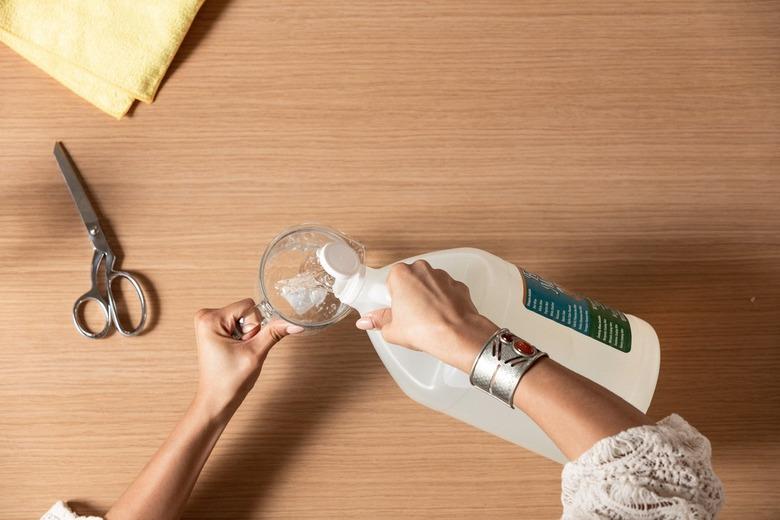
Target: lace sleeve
column 657, row 472
column 60, row 511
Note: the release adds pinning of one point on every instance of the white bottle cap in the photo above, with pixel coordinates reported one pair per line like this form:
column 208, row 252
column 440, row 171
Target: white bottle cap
column 339, row 260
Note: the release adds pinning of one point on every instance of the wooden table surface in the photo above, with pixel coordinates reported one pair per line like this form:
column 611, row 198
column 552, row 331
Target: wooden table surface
column 628, row 150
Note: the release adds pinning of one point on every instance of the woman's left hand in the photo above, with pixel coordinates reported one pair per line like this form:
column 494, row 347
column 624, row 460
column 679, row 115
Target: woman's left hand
column 228, row 367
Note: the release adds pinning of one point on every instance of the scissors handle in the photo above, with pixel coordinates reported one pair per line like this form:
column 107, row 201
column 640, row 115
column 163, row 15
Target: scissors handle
column 91, row 296
column 112, row 304
column 107, row 302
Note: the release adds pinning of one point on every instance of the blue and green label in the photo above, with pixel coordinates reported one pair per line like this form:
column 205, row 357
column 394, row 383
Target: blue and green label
column 584, row 315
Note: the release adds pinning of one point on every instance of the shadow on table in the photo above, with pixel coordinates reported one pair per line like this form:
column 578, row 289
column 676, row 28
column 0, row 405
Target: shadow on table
column 711, row 303
column 236, row 484
column 204, row 21
column 712, row 300
column 86, row 508
column 693, row 292
column 51, row 214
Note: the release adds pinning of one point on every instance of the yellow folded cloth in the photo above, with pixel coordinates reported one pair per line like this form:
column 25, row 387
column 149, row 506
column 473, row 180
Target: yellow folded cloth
column 110, row 52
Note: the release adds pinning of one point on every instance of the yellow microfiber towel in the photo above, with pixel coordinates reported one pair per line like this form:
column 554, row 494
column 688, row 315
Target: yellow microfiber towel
column 110, row 52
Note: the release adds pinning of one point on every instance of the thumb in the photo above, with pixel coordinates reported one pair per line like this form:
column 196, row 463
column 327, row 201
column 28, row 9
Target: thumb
column 266, row 336
column 375, row 319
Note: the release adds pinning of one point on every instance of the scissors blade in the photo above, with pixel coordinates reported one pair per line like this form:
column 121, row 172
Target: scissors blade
column 76, row 188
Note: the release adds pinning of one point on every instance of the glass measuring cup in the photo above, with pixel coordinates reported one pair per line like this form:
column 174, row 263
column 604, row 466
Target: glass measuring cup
column 293, row 285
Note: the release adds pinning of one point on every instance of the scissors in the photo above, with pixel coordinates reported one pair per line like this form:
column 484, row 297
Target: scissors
column 102, row 255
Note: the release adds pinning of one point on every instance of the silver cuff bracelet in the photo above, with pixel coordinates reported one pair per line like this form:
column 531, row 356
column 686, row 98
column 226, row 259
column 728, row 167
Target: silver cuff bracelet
column 504, row 360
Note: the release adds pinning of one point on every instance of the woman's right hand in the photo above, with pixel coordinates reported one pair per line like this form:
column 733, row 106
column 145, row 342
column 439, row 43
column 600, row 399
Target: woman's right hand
column 433, row 313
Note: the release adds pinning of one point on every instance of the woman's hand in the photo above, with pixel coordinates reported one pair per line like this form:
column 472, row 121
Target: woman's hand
column 433, row 313
column 228, row 367
column 228, row 370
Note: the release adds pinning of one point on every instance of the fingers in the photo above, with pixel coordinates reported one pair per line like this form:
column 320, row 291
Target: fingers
column 226, row 320
column 421, row 266
column 402, row 273
column 419, row 273
column 226, row 316
column 375, row 319
column 268, row 335
column 397, row 272
column 419, row 269
column 238, row 309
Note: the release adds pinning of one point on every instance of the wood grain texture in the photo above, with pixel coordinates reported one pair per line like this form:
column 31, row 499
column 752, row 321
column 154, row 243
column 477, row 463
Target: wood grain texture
column 627, row 150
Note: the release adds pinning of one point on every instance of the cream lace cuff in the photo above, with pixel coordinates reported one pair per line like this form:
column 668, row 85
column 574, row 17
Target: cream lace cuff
column 60, row 511
column 655, row 472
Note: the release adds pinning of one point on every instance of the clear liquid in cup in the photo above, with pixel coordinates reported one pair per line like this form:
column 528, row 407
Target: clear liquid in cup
column 294, row 282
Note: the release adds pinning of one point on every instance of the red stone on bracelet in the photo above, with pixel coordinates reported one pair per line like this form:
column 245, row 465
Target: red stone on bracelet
column 524, row 348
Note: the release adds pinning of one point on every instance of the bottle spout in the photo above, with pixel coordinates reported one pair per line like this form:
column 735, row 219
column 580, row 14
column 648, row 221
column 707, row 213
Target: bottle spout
column 342, row 263
column 354, row 284
column 339, row 260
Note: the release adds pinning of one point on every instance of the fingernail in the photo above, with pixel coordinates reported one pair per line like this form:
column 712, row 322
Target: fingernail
column 294, row 329
column 365, row 324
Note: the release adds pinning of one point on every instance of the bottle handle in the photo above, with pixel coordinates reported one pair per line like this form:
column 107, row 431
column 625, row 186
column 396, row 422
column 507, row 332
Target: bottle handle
column 260, row 314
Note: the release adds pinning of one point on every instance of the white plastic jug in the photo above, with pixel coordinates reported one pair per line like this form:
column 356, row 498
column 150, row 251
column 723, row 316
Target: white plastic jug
column 618, row 351
column 310, row 275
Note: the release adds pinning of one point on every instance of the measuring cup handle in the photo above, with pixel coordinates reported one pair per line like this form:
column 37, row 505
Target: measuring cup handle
column 255, row 316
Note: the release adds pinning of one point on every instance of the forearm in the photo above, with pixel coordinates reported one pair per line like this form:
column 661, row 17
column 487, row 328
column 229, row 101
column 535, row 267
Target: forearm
column 433, row 313
column 229, row 369
column 572, row 410
column 161, row 490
